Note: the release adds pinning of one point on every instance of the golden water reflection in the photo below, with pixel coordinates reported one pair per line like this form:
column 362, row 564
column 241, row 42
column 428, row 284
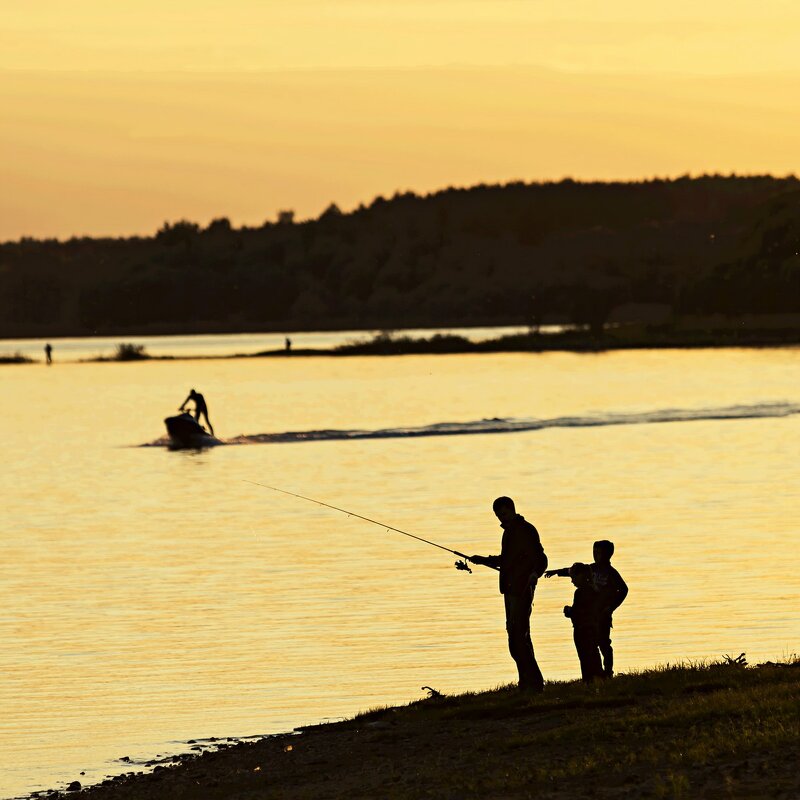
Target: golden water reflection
column 149, row 597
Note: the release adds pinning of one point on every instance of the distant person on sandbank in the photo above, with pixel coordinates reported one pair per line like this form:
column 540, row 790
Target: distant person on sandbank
column 521, row 562
column 48, row 353
column 288, row 344
column 200, row 408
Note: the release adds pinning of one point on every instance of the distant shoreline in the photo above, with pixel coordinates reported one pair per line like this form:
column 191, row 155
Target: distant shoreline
column 586, row 253
column 613, row 339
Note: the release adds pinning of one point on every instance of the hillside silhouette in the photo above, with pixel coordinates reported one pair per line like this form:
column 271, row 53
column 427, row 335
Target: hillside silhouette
column 658, row 252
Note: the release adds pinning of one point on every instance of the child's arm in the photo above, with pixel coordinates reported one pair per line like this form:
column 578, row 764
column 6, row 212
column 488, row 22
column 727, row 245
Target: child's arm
column 562, row 573
column 620, row 590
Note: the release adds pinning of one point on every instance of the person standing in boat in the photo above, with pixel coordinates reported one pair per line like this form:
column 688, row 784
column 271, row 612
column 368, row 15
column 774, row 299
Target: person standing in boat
column 200, row 408
column 521, row 562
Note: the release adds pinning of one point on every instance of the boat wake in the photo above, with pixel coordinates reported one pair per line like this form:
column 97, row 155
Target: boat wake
column 520, row 424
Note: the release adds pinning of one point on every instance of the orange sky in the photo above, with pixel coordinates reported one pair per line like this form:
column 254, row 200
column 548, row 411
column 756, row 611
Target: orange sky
column 116, row 117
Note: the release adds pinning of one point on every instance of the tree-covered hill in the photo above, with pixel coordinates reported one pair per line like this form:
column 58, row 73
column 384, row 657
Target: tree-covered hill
column 505, row 254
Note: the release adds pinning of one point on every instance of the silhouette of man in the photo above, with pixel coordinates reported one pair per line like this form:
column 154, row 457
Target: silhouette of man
column 521, row 562
column 288, row 345
column 48, row 353
column 200, row 408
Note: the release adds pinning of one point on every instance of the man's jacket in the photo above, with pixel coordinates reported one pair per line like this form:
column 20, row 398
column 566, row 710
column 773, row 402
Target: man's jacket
column 522, row 560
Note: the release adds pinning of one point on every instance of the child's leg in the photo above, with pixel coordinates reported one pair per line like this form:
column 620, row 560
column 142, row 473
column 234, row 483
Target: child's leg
column 604, row 640
column 586, row 644
column 576, row 637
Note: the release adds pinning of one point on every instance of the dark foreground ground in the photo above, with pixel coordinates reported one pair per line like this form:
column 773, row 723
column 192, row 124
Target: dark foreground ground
column 718, row 731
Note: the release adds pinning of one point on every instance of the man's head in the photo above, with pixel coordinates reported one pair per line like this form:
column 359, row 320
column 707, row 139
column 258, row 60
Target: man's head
column 192, row 393
column 504, row 509
column 602, row 551
column 581, row 574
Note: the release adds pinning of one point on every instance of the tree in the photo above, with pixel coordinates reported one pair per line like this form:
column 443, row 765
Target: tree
column 181, row 232
column 219, row 225
column 331, row 212
column 591, row 306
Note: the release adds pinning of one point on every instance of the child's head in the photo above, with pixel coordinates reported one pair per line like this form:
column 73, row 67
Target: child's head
column 581, row 574
column 602, row 551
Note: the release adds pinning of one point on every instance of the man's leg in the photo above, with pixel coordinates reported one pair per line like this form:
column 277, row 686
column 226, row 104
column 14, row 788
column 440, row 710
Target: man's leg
column 208, row 422
column 518, row 621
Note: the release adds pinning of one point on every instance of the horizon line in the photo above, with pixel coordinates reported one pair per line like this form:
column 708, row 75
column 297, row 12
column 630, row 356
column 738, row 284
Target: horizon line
column 317, row 69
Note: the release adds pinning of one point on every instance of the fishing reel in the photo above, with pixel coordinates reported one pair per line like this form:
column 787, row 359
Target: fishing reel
column 463, row 565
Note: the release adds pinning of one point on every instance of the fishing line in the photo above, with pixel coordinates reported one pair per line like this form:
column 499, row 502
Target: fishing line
column 463, row 565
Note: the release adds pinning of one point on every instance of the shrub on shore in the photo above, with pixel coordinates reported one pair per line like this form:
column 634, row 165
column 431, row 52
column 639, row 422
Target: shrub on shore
column 386, row 344
column 14, row 358
column 126, row 351
column 130, row 352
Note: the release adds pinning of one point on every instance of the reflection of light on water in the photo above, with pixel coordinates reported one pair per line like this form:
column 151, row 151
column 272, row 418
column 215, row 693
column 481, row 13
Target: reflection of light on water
column 154, row 597
column 497, row 425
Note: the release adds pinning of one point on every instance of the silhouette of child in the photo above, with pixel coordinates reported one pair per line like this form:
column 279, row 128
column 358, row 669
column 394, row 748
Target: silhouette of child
column 584, row 613
column 612, row 591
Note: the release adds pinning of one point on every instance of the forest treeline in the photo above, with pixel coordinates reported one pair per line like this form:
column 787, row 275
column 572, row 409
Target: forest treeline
column 503, row 254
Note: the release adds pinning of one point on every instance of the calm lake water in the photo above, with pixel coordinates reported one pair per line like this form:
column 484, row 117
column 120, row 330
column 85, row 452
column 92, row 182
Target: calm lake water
column 149, row 597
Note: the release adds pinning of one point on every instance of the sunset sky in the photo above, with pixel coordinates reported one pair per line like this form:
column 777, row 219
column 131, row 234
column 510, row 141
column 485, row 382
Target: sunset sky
column 119, row 116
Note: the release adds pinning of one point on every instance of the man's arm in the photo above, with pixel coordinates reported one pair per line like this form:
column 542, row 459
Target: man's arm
column 486, row 561
column 562, row 573
column 183, row 404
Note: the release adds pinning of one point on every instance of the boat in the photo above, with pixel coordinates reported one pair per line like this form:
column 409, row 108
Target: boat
column 186, row 432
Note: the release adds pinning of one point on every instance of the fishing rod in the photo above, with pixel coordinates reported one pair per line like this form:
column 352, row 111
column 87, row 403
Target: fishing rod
column 463, row 564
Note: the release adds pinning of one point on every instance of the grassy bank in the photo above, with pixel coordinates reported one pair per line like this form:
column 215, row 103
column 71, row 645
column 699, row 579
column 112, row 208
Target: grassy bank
column 628, row 337
column 580, row 341
column 717, row 731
